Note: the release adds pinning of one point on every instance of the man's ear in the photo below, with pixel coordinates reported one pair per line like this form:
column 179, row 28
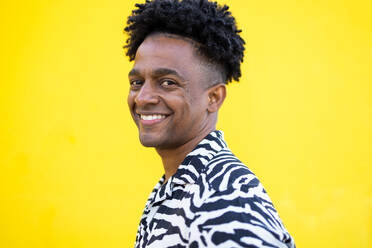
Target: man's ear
column 216, row 96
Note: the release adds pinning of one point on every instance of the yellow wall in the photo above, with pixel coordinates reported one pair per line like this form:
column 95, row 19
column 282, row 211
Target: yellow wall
column 73, row 174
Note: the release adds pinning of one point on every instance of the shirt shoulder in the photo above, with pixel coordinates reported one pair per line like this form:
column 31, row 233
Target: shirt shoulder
column 237, row 211
column 225, row 171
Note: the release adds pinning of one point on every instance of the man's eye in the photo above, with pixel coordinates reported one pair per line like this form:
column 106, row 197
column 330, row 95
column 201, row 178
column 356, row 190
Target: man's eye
column 135, row 83
column 168, row 83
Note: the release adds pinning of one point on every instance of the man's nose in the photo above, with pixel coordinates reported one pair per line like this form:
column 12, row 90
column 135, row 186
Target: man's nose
column 146, row 95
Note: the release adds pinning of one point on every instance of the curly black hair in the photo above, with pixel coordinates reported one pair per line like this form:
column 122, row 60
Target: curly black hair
column 209, row 24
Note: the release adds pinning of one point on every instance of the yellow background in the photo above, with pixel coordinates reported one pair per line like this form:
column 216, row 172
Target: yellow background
column 73, row 173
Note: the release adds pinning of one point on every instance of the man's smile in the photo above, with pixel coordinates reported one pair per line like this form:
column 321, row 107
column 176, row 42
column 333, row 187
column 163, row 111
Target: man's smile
column 151, row 119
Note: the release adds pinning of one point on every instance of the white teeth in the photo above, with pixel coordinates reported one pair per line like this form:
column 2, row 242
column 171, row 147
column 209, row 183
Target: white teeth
column 152, row 117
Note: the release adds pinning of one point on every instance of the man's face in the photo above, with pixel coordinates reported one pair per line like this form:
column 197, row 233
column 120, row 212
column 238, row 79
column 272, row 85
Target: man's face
column 168, row 98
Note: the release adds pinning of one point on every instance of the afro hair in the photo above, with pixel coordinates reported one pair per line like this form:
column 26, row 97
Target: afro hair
column 209, row 24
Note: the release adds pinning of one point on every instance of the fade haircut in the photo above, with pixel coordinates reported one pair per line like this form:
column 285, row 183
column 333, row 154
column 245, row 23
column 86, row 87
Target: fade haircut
column 210, row 25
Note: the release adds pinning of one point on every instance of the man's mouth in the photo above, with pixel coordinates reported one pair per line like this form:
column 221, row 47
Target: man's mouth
column 152, row 117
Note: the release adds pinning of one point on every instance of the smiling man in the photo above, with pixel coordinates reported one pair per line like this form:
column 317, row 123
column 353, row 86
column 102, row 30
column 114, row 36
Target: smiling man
column 185, row 52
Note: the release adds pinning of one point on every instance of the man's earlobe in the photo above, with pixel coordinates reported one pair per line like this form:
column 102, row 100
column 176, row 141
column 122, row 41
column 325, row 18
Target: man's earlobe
column 216, row 96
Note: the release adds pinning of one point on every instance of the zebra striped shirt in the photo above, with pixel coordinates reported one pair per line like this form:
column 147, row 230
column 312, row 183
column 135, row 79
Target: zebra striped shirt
column 213, row 200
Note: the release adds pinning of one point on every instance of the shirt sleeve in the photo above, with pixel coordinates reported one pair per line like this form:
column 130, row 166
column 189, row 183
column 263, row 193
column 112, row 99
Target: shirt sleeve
column 236, row 217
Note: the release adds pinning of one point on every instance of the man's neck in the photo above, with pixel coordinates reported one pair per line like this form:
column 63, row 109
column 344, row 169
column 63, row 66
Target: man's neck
column 172, row 158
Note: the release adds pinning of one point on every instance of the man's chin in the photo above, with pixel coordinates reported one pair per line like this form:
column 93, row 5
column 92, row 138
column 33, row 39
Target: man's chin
column 148, row 141
column 147, row 144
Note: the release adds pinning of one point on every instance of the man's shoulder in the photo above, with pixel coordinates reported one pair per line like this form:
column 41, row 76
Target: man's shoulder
column 226, row 172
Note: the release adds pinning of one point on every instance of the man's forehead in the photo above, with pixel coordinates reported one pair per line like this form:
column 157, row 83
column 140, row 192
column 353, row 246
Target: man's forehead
column 195, row 44
column 165, row 54
column 174, row 36
column 172, row 45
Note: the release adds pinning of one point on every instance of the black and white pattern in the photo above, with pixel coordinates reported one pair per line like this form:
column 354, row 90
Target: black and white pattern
column 213, row 200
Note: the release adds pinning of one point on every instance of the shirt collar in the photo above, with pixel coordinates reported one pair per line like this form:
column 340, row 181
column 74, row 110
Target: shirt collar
column 193, row 165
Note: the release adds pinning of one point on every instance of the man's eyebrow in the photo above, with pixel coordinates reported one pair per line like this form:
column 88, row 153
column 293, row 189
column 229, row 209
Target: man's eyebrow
column 165, row 71
column 157, row 72
column 133, row 72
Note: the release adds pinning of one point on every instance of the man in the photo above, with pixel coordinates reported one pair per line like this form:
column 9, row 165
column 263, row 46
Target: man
column 185, row 52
